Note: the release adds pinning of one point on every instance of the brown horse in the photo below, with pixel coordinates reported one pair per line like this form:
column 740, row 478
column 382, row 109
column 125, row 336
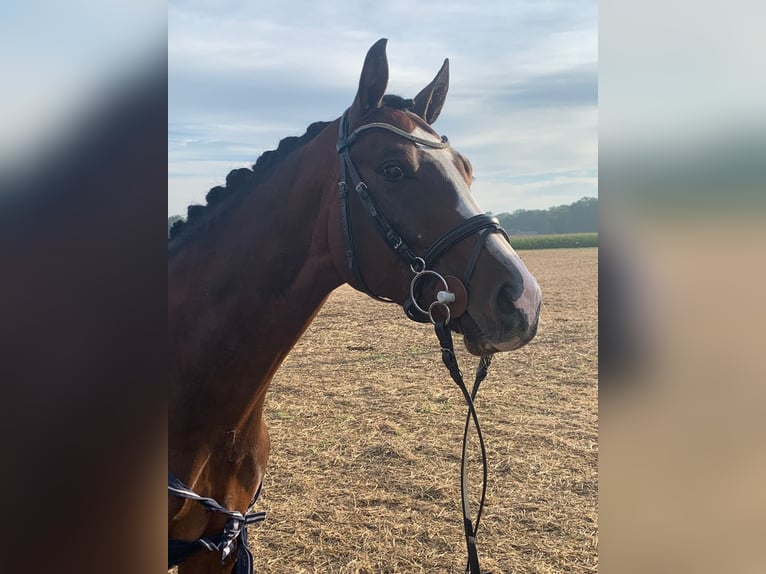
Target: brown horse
column 249, row 271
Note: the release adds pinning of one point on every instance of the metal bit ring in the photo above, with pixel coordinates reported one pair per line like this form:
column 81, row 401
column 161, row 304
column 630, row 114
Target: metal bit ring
column 414, row 282
column 430, row 312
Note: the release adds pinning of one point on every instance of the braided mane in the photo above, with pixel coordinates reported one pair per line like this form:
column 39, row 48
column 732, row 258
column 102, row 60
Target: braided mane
column 244, row 177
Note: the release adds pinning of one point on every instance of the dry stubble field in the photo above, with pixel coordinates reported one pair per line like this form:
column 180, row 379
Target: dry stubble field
column 366, row 428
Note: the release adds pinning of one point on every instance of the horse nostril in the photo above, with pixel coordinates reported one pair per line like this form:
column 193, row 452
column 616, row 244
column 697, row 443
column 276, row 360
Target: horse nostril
column 511, row 316
column 505, row 300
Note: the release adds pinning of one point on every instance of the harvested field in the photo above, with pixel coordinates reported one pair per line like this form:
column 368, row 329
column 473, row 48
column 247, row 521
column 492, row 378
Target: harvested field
column 366, row 427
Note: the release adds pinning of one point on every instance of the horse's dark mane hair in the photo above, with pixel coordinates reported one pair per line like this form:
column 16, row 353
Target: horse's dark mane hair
column 243, row 177
column 398, row 102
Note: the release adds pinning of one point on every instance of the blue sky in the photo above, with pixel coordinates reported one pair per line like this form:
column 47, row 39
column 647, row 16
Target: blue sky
column 522, row 104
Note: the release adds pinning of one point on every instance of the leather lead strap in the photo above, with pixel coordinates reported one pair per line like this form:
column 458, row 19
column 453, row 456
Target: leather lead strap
column 470, row 527
column 482, row 222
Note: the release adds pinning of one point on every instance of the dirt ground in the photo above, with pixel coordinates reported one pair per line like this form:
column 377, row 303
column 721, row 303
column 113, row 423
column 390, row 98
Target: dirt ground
column 366, row 427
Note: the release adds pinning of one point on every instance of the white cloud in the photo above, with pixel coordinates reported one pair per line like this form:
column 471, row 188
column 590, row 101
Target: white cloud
column 522, row 87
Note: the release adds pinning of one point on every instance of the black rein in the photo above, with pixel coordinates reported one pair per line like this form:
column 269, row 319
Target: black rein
column 484, row 223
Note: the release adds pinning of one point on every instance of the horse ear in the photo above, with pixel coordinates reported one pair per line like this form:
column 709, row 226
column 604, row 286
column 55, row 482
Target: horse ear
column 374, row 79
column 429, row 102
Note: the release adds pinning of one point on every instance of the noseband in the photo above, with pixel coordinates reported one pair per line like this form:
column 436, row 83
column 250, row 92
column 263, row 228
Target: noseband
column 420, row 266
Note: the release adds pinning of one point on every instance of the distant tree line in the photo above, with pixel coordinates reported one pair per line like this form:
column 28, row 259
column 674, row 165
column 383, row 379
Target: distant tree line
column 578, row 217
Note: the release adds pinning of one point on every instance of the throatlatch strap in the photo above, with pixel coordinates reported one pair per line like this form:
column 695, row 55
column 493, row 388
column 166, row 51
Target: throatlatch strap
column 348, row 172
column 349, row 176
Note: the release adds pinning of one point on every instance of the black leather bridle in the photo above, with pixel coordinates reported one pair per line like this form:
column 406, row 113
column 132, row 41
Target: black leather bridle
column 422, row 266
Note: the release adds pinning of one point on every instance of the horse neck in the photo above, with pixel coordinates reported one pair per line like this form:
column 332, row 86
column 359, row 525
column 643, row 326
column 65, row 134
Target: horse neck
column 240, row 299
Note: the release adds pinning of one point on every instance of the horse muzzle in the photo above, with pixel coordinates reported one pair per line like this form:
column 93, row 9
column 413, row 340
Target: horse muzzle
column 503, row 318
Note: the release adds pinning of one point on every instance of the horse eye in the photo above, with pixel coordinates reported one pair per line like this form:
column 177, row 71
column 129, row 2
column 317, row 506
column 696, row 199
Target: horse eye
column 392, row 172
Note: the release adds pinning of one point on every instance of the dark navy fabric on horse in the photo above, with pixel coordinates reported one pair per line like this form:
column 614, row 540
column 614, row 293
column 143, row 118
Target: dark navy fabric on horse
column 180, row 550
column 235, row 530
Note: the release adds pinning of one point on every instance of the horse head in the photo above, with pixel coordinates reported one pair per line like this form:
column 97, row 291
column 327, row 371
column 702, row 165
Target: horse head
column 410, row 229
